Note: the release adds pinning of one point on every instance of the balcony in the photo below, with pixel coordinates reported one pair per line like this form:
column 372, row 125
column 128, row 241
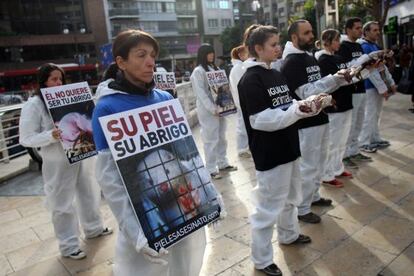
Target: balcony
column 188, row 31
column 123, row 13
column 186, row 13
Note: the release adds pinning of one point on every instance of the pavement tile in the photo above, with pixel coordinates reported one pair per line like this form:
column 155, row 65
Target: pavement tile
column 244, row 235
column 403, row 265
column 102, row 269
column 405, row 209
column 394, row 187
column 389, row 234
column 240, row 211
column 32, row 208
column 17, row 240
column 23, row 223
column 5, row 267
column 290, row 259
column 221, row 254
column 350, row 258
column 32, row 254
column 359, row 209
column 9, row 215
column 50, row 267
column 44, row 231
column 329, row 233
column 97, row 250
column 224, row 226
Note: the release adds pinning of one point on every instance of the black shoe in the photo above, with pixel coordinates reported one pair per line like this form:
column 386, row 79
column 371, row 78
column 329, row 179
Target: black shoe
column 310, row 218
column 302, row 239
column 272, row 270
column 322, row 202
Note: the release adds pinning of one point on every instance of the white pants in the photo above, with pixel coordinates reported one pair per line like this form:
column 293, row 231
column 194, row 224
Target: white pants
column 314, row 145
column 275, row 198
column 242, row 140
column 370, row 130
column 213, row 135
column 358, row 115
column 65, row 183
column 339, row 128
column 184, row 258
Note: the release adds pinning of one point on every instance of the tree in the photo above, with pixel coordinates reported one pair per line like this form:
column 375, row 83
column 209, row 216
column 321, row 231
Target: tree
column 376, row 10
column 231, row 37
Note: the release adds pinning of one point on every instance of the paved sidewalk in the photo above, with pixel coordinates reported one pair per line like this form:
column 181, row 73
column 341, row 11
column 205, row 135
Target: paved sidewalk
column 369, row 230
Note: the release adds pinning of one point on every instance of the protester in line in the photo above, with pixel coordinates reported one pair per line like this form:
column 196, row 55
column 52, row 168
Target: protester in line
column 270, row 113
column 135, row 52
column 213, row 127
column 63, row 182
column 238, row 55
column 340, row 115
column 379, row 87
column 303, row 76
column 350, row 50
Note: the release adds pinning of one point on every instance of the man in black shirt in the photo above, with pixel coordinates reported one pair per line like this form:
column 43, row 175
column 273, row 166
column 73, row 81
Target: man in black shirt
column 303, row 77
column 350, row 50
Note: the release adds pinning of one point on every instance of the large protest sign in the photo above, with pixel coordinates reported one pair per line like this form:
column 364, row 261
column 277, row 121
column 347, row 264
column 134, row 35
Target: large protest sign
column 168, row 186
column 164, row 80
column 220, row 91
column 71, row 108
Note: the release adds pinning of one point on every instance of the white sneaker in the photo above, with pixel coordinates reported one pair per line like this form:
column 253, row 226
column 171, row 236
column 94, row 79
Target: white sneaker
column 76, row 255
column 106, row 231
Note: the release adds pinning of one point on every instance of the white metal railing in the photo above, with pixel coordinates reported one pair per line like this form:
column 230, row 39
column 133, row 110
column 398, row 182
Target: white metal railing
column 9, row 133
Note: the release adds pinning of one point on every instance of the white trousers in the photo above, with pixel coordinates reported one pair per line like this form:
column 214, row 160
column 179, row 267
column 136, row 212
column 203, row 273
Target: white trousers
column 64, row 184
column 358, row 115
column 275, row 198
column 242, row 140
column 339, row 128
column 314, row 145
column 184, row 258
column 213, row 135
column 373, row 108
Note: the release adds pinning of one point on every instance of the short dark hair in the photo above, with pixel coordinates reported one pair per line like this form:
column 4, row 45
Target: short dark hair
column 126, row 40
column 367, row 26
column 349, row 24
column 294, row 27
column 259, row 36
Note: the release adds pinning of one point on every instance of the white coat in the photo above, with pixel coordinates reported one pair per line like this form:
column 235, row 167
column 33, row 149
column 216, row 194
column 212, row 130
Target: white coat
column 62, row 181
column 213, row 127
column 236, row 74
column 184, row 259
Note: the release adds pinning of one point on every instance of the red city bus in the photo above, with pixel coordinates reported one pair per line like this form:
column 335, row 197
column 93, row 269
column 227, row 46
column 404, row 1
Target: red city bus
column 24, row 81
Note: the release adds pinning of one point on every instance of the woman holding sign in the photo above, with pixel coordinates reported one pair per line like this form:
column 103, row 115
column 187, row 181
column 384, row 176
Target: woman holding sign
column 213, row 127
column 63, row 181
column 133, row 87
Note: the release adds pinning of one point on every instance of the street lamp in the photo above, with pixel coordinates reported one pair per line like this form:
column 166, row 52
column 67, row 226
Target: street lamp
column 79, row 58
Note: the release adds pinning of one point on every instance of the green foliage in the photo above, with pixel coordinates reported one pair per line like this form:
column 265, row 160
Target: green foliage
column 231, row 37
column 310, row 13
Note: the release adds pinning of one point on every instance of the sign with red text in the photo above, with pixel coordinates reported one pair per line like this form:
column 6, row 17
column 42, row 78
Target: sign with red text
column 220, row 91
column 164, row 80
column 71, row 108
column 168, row 186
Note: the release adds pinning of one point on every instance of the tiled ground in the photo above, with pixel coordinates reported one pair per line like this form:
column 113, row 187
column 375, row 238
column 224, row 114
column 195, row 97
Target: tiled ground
column 368, row 231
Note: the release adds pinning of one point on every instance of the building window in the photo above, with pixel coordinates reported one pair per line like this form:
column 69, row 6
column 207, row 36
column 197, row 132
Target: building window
column 168, row 7
column 212, row 4
column 148, row 7
column 213, row 23
column 226, row 23
column 224, row 4
column 281, row 26
column 282, row 12
column 149, row 26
